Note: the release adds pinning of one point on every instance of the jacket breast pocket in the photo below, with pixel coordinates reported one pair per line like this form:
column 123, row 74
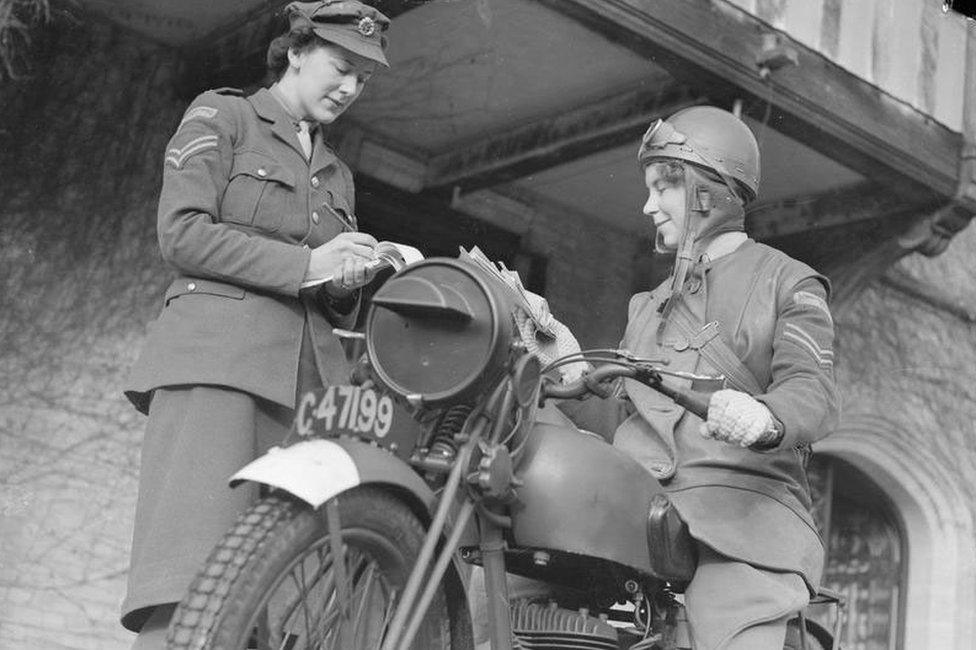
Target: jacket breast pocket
column 198, row 287
column 258, row 193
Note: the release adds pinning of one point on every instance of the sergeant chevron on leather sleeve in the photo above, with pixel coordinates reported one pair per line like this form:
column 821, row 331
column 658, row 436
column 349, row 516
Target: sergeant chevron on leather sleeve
column 740, row 309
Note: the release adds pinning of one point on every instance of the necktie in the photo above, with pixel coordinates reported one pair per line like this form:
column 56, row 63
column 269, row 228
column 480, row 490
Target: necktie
column 305, row 138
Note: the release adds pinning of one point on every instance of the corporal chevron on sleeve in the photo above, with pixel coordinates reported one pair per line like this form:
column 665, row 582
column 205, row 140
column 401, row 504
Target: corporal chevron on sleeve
column 804, row 340
column 178, row 155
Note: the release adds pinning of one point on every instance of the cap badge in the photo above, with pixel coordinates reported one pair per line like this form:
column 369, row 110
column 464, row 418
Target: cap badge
column 366, row 26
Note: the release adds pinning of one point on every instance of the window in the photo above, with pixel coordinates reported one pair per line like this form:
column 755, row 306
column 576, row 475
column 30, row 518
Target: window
column 865, row 554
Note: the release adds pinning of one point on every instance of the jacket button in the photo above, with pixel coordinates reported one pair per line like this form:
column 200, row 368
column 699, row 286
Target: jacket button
column 315, row 181
column 191, row 286
column 262, row 172
column 315, row 217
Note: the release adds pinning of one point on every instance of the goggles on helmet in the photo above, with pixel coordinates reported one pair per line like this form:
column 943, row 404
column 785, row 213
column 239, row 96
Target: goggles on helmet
column 659, row 135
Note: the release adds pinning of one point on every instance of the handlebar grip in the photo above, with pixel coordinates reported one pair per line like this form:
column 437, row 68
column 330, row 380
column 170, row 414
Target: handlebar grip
column 694, row 401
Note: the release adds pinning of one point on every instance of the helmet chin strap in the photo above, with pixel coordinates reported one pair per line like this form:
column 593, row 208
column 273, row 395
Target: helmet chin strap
column 697, row 200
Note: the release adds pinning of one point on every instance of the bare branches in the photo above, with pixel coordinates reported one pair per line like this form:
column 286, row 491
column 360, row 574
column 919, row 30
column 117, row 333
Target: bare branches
column 17, row 18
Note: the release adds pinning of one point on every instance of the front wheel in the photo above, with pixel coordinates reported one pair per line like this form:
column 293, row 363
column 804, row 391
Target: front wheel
column 271, row 582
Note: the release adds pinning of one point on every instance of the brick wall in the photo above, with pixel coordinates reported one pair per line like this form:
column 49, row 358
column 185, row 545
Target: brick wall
column 591, row 272
column 79, row 278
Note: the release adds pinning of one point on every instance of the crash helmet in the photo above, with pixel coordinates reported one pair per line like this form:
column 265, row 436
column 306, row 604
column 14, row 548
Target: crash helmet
column 711, row 138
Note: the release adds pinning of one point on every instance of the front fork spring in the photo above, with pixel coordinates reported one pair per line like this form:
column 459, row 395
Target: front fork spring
column 443, row 443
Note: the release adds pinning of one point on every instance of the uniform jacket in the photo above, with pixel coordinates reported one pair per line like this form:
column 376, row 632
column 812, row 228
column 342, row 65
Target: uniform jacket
column 771, row 310
column 240, row 208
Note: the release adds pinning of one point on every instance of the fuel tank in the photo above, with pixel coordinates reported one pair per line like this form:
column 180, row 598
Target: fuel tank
column 581, row 495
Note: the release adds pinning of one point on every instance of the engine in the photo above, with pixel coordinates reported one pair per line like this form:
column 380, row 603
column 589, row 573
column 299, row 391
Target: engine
column 540, row 626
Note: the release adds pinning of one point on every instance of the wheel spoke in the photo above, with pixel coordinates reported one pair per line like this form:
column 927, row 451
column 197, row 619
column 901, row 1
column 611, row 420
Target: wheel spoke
column 311, row 586
column 300, row 597
column 387, row 619
column 308, row 594
column 303, row 591
column 369, row 586
column 367, row 589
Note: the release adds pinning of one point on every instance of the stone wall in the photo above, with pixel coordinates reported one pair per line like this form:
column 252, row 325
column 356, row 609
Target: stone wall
column 907, row 362
column 906, row 372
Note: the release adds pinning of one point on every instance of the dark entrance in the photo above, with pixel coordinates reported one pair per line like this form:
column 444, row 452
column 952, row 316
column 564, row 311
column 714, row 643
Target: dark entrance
column 866, row 554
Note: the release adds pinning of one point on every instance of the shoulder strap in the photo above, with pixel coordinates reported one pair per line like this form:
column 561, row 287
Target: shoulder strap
column 715, row 350
column 712, row 347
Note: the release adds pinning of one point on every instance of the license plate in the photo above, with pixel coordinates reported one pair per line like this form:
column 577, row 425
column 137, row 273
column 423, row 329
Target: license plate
column 360, row 412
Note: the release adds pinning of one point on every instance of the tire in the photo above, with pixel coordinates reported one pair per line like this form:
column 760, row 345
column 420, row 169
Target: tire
column 249, row 590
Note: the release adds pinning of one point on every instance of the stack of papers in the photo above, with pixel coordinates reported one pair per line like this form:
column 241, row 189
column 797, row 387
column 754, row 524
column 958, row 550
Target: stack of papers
column 535, row 306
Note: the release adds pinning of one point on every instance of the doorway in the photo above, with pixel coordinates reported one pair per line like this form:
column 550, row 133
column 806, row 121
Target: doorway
column 866, row 554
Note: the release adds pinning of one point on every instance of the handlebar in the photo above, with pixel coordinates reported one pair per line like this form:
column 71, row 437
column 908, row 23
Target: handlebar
column 693, row 400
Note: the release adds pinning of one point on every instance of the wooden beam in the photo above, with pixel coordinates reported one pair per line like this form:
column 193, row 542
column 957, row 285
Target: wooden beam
column 547, row 142
column 841, row 207
column 497, row 208
column 714, row 46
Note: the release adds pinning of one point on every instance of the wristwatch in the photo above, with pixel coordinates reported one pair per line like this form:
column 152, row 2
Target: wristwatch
column 770, row 438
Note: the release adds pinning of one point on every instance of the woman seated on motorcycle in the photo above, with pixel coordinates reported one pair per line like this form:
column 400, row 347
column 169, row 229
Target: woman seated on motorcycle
column 253, row 205
column 741, row 309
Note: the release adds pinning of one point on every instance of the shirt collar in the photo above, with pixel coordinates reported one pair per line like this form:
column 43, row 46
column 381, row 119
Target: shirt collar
column 723, row 244
column 282, row 106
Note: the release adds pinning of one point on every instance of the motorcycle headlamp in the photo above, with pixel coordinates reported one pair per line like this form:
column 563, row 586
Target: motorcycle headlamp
column 440, row 332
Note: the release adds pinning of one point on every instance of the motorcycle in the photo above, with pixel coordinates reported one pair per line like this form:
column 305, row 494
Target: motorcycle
column 445, row 458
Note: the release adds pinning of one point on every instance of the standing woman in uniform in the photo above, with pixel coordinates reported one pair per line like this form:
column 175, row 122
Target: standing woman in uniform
column 253, row 205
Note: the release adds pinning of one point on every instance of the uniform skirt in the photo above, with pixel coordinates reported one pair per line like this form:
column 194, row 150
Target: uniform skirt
column 196, row 439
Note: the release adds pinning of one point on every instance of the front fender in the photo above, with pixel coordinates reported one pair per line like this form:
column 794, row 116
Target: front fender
column 319, row 469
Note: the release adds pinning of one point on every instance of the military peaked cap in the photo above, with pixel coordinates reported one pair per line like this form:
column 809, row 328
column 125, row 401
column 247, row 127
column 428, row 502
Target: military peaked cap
column 348, row 23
